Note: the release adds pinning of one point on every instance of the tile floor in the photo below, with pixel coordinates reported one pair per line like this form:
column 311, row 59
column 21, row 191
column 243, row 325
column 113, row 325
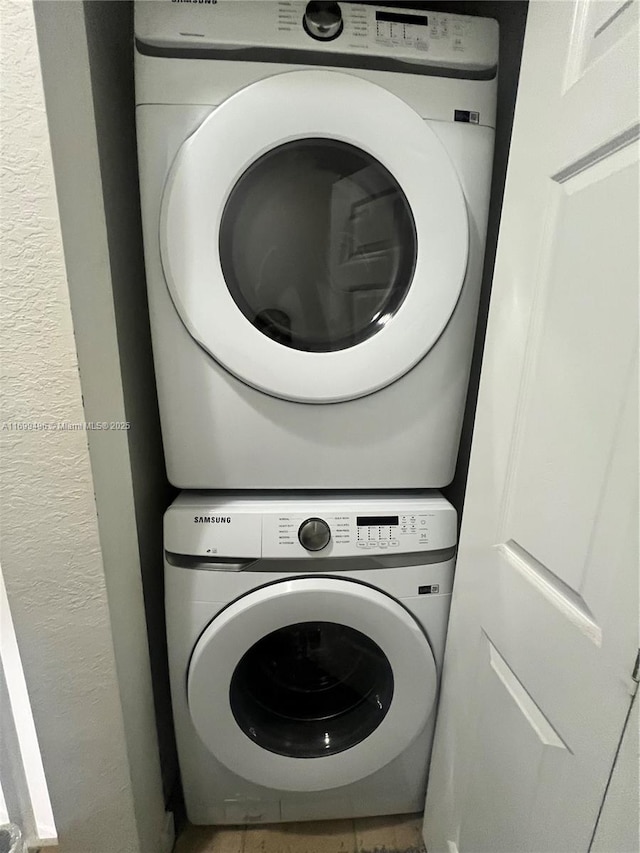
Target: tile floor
column 398, row 834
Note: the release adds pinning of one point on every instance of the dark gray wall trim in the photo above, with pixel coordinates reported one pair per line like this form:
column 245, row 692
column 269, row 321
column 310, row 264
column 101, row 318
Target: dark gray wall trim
column 109, row 30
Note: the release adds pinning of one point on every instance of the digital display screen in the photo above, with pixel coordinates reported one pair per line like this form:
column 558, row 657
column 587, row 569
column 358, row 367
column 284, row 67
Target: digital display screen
column 397, row 18
column 376, row 520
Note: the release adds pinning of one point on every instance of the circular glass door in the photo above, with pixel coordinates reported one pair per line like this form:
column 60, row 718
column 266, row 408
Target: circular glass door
column 317, row 245
column 311, row 689
column 310, row 683
column 313, row 254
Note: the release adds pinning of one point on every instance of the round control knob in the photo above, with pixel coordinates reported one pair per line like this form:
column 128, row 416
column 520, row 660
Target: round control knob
column 322, row 20
column 314, row 534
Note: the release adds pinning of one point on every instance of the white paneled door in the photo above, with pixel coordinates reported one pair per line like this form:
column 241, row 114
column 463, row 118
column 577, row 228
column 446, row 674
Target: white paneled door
column 543, row 638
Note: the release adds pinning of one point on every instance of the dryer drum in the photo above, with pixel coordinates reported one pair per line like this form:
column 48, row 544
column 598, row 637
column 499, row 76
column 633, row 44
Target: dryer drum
column 311, row 689
column 318, row 244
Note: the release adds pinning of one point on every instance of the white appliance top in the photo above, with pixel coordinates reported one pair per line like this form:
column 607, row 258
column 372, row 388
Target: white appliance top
column 390, row 38
column 252, row 527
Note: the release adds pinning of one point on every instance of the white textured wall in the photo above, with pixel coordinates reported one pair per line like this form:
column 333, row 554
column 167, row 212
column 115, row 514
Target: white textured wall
column 96, row 182
column 50, row 548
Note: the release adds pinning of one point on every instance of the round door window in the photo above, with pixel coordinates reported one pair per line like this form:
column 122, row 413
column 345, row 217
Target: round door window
column 311, row 689
column 317, row 245
column 310, row 683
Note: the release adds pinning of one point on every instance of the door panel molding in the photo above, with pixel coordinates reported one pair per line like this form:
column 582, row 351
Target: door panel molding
column 600, row 152
column 554, row 589
column 525, row 702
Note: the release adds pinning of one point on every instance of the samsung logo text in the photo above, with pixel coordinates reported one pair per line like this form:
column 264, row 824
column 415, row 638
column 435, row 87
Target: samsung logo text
column 212, row 519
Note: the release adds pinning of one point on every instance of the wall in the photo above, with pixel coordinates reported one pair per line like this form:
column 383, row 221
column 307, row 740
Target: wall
column 52, row 552
column 85, row 55
column 90, row 81
column 109, row 33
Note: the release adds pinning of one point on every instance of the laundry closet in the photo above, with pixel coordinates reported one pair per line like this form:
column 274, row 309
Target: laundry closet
column 312, row 362
column 321, row 207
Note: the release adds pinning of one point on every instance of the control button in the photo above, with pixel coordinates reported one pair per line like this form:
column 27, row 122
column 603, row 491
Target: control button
column 314, row 534
column 394, row 543
column 322, row 20
column 423, row 521
column 383, row 544
column 362, row 545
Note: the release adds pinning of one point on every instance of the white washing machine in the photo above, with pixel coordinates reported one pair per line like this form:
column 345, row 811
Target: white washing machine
column 305, row 640
column 315, row 187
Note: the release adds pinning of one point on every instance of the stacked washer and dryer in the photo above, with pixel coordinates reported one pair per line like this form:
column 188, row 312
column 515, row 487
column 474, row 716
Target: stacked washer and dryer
column 315, row 188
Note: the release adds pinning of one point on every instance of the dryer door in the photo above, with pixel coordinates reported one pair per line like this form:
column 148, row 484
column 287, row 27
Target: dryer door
column 314, row 236
column 311, row 683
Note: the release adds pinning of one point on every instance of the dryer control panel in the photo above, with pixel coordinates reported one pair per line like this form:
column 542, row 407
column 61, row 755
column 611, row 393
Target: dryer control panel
column 257, row 527
column 439, row 39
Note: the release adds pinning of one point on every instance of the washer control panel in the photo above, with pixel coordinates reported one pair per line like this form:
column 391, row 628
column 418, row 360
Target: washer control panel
column 440, row 39
column 346, row 534
column 321, row 527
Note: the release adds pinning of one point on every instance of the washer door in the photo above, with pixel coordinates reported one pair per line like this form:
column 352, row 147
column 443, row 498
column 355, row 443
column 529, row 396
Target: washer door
column 314, row 236
column 311, row 683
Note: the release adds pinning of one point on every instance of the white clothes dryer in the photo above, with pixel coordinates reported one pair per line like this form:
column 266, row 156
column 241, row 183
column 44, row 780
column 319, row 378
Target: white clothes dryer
column 305, row 640
column 315, row 187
